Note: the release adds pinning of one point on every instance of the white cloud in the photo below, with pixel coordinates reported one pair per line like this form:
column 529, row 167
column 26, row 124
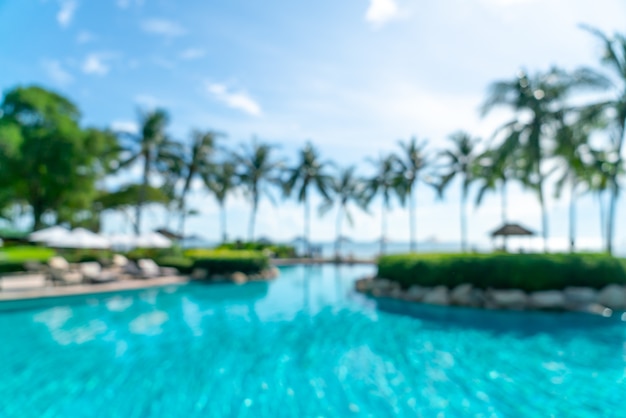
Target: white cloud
column 192, row 53
column 163, row 27
column 125, row 126
column 234, row 99
column 380, row 12
column 96, row 64
column 66, row 12
column 54, row 69
column 84, row 37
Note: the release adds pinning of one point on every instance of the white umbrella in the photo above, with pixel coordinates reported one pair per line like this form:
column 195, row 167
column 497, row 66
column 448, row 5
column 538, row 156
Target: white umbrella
column 152, row 240
column 81, row 238
column 49, row 234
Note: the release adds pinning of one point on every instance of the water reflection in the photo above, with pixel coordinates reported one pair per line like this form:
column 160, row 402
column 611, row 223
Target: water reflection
column 523, row 323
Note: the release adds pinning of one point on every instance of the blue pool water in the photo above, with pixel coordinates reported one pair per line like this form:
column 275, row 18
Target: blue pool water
column 303, row 346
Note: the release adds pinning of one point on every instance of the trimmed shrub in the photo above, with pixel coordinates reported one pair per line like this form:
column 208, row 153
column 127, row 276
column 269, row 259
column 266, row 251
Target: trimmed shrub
column 153, row 253
column 11, row 267
column 528, row 272
column 182, row 264
column 277, row 250
column 103, row 257
column 225, row 262
column 26, row 253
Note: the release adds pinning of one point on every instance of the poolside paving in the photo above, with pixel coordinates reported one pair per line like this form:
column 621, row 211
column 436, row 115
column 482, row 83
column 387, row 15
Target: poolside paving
column 89, row 289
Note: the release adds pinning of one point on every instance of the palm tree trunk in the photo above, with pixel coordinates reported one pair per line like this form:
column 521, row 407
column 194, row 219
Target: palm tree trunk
column 142, row 192
column 306, row 225
column 572, row 217
column 544, row 217
column 615, row 188
column 181, row 224
column 503, row 208
column 223, row 221
column 383, row 229
column 602, row 216
column 338, row 233
column 412, row 222
column 463, row 219
column 252, row 218
column 610, row 224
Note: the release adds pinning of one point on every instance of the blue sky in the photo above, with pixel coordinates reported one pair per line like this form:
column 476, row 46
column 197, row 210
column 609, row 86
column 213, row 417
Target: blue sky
column 353, row 77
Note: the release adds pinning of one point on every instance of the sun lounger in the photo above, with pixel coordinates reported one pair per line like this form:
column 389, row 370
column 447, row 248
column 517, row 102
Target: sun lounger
column 60, row 273
column 93, row 273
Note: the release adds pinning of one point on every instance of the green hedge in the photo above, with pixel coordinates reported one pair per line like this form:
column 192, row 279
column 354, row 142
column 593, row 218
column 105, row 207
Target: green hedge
column 11, row 267
column 529, row 272
column 225, row 262
column 277, row 250
column 26, row 253
column 182, row 264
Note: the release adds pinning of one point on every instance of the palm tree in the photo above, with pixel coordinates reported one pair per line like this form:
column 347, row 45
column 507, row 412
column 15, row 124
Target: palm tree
column 345, row 188
column 384, row 182
column 410, row 164
column 257, row 171
column 221, row 180
column 614, row 59
column 198, row 161
column 537, row 103
column 308, row 171
column 153, row 147
column 576, row 162
column 461, row 159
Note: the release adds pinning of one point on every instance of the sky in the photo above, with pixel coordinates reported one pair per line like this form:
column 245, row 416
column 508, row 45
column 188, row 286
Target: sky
column 353, row 77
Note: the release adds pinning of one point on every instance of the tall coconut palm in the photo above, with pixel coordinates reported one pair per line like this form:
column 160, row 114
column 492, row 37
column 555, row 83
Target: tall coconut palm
column 154, row 148
column 308, row 172
column 410, row 163
column 536, row 103
column 460, row 160
column 614, row 60
column 257, row 171
column 384, row 182
column 576, row 161
column 196, row 162
column 221, row 180
column 345, row 189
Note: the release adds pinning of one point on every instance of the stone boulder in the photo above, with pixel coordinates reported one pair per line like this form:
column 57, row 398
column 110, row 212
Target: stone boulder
column 364, row 285
column 462, row 295
column 506, row 299
column 416, row 293
column 239, row 277
column 547, row 299
column 613, row 296
column 577, row 298
column 199, row 274
column 438, row 295
column 383, row 287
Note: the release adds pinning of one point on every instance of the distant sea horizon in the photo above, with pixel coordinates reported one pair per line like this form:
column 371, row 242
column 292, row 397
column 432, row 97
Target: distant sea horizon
column 371, row 249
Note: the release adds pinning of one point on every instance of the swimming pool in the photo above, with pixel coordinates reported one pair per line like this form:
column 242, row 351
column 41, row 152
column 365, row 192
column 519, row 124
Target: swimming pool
column 303, row 346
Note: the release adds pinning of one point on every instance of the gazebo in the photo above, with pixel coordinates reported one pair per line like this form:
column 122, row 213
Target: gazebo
column 510, row 230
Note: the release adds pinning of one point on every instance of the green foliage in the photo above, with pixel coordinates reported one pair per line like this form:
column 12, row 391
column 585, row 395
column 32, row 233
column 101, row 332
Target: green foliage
column 12, row 259
column 26, row 253
column 80, row 255
column 182, row 264
column 46, row 158
column 11, row 267
column 153, row 253
column 225, row 261
column 528, row 272
column 276, row 250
